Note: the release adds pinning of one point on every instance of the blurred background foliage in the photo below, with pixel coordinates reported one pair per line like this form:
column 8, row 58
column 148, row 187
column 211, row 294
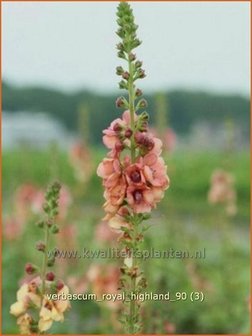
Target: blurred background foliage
column 185, row 107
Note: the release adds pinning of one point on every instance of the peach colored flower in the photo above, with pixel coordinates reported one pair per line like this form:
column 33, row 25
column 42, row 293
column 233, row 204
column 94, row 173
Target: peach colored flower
column 25, row 322
column 80, row 160
column 170, row 140
column 79, row 284
column 154, row 170
column 139, row 185
column 104, row 233
column 134, row 174
column 117, row 222
column 116, row 130
column 53, row 310
column 104, row 279
column 222, row 191
column 140, row 198
column 23, row 198
column 168, row 137
column 12, row 228
column 114, row 197
column 27, row 295
column 110, row 171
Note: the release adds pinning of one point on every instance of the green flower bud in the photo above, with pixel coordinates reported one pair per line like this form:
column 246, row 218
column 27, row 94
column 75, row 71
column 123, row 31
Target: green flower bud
column 51, row 261
column 138, row 64
column 122, row 84
column 119, row 71
column 55, row 229
column 132, row 57
column 40, row 224
column 142, row 103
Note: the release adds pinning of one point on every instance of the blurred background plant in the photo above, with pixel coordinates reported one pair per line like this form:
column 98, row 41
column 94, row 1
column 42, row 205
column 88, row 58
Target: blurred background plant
column 48, row 131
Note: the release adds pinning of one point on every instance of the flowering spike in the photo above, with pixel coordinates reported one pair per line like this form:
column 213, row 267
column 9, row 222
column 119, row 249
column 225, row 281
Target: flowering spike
column 134, row 183
column 34, row 310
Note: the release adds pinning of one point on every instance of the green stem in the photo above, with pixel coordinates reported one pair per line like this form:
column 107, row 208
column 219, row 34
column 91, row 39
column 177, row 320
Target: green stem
column 132, row 329
column 132, row 308
column 132, row 109
column 45, row 260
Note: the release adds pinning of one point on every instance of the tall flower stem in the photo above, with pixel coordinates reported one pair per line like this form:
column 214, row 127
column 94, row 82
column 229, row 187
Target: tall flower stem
column 127, row 32
column 133, row 183
column 44, row 262
column 133, row 157
column 51, row 210
column 131, row 108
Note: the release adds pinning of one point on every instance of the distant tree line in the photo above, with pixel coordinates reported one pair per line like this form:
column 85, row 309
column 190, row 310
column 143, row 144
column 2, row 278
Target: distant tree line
column 185, row 107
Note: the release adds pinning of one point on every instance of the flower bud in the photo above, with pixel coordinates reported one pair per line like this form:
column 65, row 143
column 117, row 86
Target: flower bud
column 124, row 211
column 139, row 137
column 55, row 252
column 30, row 268
column 40, row 246
column 125, row 75
column 46, row 208
column 142, row 103
column 143, row 127
column 122, row 84
column 121, row 284
column 132, row 57
column 59, row 285
column 128, row 133
column 120, row 32
column 40, row 224
column 51, row 261
column 50, row 276
column 144, row 116
column 120, row 54
column 56, row 187
column 144, row 140
column 119, row 70
column 55, row 229
column 119, row 146
column 138, row 64
column 55, row 212
column 146, row 216
column 141, row 73
column 149, row 143
column 120, row 46
column 139, row 92
column 136, row 43
column 117, row 127
column 120, row 102
column 49, row 222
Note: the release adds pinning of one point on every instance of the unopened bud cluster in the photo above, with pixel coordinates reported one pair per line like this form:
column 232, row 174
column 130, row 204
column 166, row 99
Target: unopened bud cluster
column 129, row 41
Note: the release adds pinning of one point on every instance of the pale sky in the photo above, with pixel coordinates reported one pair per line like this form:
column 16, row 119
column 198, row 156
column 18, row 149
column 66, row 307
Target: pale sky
column 71, row 45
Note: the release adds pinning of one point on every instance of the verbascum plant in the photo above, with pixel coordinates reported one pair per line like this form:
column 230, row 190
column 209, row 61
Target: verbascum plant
column 134, row 173
column 34, row 309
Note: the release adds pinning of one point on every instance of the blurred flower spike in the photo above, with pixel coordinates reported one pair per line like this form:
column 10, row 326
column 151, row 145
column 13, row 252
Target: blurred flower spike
column 34, row 310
